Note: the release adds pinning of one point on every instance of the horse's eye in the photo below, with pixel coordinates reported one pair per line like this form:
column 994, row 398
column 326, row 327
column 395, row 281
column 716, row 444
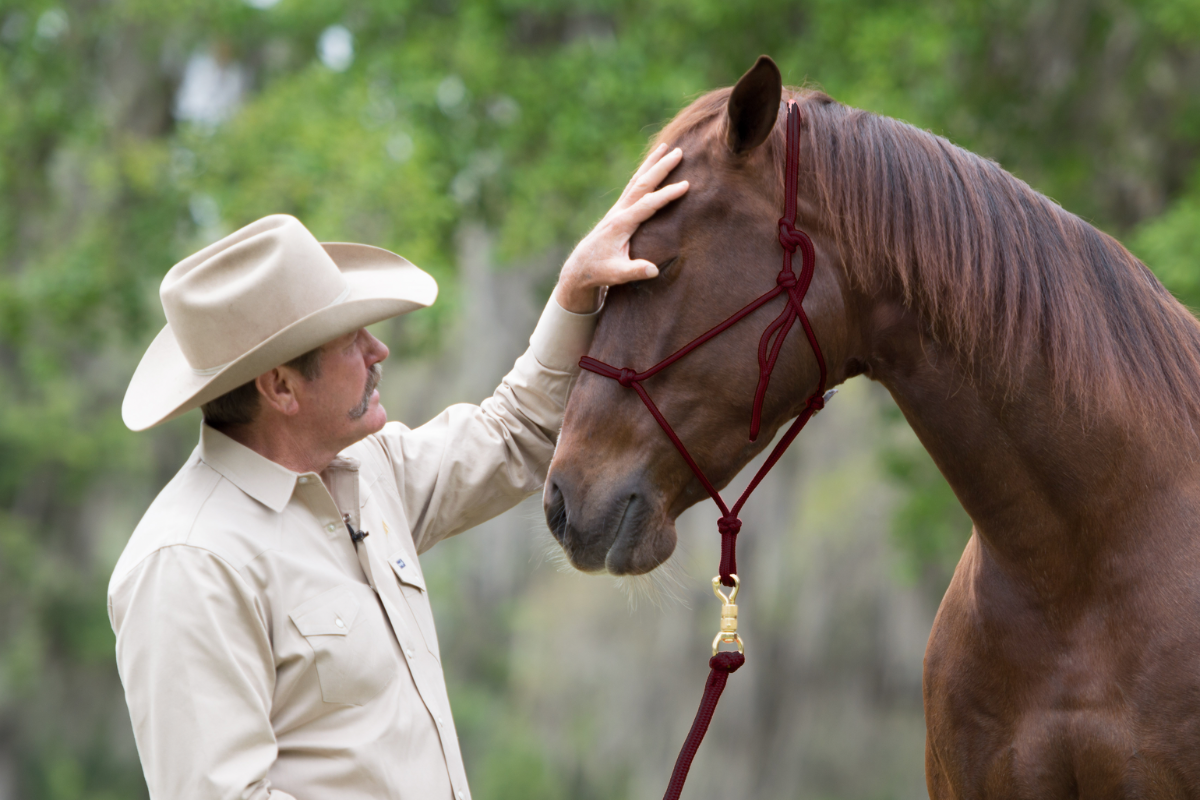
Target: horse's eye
column 666, row 265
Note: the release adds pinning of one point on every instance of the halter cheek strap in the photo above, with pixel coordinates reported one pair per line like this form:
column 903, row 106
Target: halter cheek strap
column 769, row 346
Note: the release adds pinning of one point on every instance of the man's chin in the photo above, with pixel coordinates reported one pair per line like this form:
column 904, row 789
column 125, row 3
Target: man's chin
column 376, row 416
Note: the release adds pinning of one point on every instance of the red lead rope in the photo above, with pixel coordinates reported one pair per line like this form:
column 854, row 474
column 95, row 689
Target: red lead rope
column 769, row 346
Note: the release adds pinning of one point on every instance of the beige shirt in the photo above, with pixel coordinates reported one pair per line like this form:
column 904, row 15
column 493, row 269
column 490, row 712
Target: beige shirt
column 265, row 655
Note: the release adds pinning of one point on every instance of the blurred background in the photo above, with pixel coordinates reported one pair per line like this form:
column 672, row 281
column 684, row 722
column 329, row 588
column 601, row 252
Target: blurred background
column 481, row 138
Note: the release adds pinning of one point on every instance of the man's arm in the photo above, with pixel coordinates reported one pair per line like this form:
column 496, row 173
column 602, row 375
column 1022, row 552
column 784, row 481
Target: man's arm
column 195, row 659
column 472, row 462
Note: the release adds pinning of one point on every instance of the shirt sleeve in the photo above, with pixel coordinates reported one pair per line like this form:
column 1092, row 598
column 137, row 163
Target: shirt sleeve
column 470, row 463
column 194, row 654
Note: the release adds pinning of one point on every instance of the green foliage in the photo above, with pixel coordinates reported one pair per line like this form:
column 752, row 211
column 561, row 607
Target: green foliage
column 516, row 770
column 1171, row 245
column 929, row 527
column 525, row 115
column 507, row 761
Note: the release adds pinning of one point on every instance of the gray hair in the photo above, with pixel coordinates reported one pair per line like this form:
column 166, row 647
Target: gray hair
column 240, row 406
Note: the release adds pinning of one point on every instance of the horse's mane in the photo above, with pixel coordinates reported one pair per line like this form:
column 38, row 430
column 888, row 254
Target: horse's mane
column 998, row 271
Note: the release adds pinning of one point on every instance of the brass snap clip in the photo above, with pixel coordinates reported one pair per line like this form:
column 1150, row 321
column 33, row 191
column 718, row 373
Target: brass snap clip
column 728, row 632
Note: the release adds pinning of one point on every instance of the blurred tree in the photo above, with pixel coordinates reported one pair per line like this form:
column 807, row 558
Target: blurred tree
column 134, row 132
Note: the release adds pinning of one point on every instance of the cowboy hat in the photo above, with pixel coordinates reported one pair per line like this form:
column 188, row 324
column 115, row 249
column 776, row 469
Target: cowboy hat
column 257, row 299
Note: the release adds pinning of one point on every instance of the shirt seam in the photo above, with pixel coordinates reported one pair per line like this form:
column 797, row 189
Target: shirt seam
column 187, row 539
column 246, row 588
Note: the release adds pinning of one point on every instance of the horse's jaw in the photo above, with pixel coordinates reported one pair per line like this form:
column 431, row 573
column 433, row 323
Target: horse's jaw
column 621, row 526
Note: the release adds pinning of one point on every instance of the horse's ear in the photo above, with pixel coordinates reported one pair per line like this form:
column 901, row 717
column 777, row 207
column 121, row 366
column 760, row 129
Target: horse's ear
column 754, row 105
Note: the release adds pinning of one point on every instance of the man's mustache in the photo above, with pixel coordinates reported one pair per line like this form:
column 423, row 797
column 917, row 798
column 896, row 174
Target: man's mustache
column 374, row 376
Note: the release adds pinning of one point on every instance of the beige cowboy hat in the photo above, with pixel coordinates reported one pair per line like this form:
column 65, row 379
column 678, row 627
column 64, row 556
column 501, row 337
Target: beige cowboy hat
column 257, row 299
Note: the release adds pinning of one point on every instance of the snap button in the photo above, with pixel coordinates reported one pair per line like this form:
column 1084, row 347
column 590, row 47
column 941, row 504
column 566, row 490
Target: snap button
column 439, row 719
column 409, row 652
column 303, row 479
column 339, row 623
column 331, row 527
column 459, row 794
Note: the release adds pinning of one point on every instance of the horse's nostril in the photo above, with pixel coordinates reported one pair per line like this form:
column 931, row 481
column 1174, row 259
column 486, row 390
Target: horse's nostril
column 556, row 512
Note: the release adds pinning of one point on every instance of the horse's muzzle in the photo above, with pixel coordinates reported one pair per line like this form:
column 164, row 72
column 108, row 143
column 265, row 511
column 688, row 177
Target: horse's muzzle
column 621, row 530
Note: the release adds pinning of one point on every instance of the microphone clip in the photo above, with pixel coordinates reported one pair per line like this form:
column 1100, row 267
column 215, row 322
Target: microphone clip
column 355, row 536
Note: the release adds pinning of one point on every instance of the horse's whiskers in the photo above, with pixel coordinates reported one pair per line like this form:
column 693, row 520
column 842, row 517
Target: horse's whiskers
column 663, row 586
column 548, row 549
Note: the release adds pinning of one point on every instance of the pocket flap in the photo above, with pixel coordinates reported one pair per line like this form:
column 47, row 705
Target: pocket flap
column 329, row 614
column 405, row 568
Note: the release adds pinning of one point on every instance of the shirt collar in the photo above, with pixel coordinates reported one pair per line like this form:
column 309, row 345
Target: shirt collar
column 267, row 482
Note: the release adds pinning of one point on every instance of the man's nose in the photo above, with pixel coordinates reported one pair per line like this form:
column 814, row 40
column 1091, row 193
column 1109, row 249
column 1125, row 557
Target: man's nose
column 377, row 351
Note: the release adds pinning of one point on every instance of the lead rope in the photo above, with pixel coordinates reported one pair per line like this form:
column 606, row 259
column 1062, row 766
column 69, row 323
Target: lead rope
column 729, row 525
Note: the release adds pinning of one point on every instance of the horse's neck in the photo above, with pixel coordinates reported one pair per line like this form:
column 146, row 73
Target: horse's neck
column 1047, row 488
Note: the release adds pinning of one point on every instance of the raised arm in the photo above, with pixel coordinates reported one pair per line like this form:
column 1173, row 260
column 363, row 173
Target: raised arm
column 473, row 462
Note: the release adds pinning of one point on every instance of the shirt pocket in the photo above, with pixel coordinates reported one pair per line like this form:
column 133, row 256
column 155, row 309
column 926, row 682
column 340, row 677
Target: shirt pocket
column 351, row 645
column 412, row 586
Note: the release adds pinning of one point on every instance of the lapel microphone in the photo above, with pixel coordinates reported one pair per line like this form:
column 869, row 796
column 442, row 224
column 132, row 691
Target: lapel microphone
column 355, row 536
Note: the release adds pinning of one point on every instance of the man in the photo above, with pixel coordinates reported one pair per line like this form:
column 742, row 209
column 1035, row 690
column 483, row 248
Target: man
column 273, row 631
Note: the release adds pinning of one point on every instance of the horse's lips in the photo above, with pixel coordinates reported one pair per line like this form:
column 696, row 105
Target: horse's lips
column 644, row 539
column 620, row 542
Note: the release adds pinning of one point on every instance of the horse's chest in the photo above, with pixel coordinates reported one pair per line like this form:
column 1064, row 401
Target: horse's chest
column 1015, row 707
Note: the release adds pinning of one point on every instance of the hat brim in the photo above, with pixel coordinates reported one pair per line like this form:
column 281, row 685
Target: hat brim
column 381, row 285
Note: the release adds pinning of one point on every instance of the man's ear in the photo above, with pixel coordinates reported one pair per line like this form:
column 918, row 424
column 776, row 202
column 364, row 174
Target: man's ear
column 753, row 106
column 278, row 390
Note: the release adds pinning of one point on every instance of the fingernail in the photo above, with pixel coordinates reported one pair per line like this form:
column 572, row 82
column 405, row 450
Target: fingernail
column 679, row 150
column 651, row 271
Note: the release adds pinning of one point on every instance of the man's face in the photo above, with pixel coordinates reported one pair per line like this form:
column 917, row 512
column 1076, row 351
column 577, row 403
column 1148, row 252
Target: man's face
column 341, row 406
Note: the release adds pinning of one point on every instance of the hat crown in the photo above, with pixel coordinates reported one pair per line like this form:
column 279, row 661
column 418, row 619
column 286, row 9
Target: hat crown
column 236, row 293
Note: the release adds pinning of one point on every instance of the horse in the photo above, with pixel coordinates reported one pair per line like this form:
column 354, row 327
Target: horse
column 1052, row 378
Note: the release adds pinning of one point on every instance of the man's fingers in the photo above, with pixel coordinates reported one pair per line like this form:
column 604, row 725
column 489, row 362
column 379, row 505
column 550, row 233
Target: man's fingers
column 652, row 177
column 650, row 174
column 661, row 168
column 672, row 191
column 647, row 268
column 655, row 155
column 623, row 271
column 649, row 204
column 636, row 181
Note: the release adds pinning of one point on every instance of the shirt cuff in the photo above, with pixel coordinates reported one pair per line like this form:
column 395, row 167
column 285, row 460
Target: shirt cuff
column 562, row 337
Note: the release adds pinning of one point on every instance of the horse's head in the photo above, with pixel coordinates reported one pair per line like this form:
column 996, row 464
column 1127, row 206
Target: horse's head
column 617, row 484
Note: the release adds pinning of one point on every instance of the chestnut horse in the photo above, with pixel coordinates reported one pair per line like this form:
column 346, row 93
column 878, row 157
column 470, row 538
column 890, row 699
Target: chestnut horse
column 1052, row 378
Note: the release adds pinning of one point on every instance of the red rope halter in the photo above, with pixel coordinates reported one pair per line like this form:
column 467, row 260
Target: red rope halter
column 769, row 347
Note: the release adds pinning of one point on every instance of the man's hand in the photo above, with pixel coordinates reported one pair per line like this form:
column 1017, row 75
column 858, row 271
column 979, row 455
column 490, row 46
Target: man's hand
column 602, row 258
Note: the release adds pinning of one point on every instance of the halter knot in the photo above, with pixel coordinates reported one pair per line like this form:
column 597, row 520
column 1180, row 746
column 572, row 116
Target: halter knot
column 727, row 661
column 625, row 378
column 786, row 278
column 816, row 402
column 789, row 236
column 729, row 525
